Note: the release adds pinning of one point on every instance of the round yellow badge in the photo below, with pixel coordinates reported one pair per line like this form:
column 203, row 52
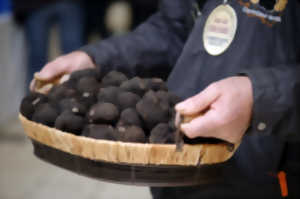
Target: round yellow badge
column 219, row 30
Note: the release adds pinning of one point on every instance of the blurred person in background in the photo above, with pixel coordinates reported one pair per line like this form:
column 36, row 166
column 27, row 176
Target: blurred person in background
column 38, row 17
column 107, row 17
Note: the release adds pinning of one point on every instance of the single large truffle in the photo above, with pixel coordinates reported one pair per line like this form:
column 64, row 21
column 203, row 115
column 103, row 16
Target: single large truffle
column 135, row 85
column 155, row 84
column 103, row 113
column 46, row 114
column 131, row 134
column 161, row 134
column 127, row 100
column 109, row 94
column 130, row 117
column 152, row 110
column 88, row 99
column 113, row 78
column 106, row 132
column 30, row 102
column 76, row 75
column 61, row 91
column 72, row 105
column 69, row 122
column 88, row 84
column 163, row 97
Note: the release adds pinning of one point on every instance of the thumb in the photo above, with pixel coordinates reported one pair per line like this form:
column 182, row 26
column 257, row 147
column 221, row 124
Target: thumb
column 199, row 102
column 202, row 126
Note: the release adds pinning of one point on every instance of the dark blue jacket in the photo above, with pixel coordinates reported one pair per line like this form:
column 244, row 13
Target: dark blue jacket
column 266, row 49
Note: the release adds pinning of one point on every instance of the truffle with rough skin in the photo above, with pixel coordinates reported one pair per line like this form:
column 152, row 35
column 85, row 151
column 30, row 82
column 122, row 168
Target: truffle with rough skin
column 106, row 132
column 163, row 97
column 127, row 100
column 152, row 110
column 60, row 92
column 46, row 114
column 70, row 83
column 72, row 105
column 109, row 94
column 161, row 134
column 130, row 117
column 169, row 97
column 88, row 84
column 155, row 84
column 87, row 99
column 131, row 134
column 113, row 78
column 103, row 113
column 90, row 72
column 135, row 85
column 30, row 102
column 69, row 122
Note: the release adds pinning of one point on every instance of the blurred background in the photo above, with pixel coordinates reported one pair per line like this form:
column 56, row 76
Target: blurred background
column 33, row 32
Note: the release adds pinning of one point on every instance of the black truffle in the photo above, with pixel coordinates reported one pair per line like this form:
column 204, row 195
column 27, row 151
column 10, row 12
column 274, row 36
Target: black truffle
column 130, row 117
column 169, row 97
column 173, row 99
column 155, row 84
column 69, row 122
column 109, row 94
column 60, row 92
column 113, row 78
column 106, row 132
column 127, row 100
column 30, row 102
column 163, row 97
column 88, row 99
column 70, row 83
column 131, row 134
column 46, row 114
column 72, row 105
column 76, row 75
column 161, row 134
column 103, row 113
column 88, row 84
column 135, row 85
column 152, row 110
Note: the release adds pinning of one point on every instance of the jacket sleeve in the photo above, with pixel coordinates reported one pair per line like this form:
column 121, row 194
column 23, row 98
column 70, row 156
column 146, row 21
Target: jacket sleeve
column 276, row 100
column 156, row 43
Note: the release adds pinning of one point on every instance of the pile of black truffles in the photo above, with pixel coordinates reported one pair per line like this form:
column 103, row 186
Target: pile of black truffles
column 111, row 107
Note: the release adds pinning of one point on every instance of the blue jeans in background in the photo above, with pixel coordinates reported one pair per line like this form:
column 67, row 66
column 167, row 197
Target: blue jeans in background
column 69, row 17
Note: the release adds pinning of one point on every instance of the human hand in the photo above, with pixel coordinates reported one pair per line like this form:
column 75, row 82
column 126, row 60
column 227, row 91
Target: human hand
column 65, row 64
column 228, row 108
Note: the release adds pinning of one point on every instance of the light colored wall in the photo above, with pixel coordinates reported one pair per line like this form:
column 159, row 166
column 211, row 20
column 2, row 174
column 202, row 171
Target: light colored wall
column 12, row 69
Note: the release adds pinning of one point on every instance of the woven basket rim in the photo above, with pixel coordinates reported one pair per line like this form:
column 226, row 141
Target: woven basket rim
column 126, row 152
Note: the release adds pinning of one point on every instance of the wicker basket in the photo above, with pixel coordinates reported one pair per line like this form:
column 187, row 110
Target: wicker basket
column 123, row 152
column 128, row 163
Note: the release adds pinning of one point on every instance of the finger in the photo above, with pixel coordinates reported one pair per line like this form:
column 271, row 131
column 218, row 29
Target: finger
column 202, row 126
column 199, row 102
column 32, row 85
column 50, row 71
